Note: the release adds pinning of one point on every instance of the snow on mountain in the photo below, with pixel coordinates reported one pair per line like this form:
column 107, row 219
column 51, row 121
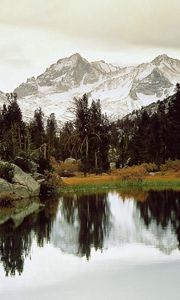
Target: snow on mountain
column 121, row 90
column 2, row 98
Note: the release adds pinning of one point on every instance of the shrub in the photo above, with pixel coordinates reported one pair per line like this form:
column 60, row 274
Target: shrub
column 44, row 165
column 51, row 184
column 6, row 199
column 131, row 173
column 24, row 163
column 6, row 171
column 65, row 169
column 150, row 167
column 171, row 165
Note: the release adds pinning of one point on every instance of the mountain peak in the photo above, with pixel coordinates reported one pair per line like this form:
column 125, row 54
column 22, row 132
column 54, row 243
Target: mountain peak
column 74, row 58
column 161, row 58
column 75, row 55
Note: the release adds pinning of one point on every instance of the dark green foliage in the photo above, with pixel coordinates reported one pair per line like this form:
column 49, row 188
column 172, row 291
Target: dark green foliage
column 37, row 131
column 6, row 171
column 24, row 162
column 68, row 141
column 47, row 189
column 92, row 132
column 152, row 138
column 11, row 129
column 44, row 165
column 141, row 137
column 51, row 136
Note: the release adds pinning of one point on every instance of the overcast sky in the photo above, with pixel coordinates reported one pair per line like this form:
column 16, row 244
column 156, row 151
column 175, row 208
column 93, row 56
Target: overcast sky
column 36, row 33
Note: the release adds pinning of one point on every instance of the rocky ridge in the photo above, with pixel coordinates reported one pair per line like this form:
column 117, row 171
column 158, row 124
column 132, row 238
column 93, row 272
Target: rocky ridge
column 121, row 90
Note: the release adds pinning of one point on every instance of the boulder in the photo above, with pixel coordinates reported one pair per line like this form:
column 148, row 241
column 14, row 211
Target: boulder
column 70, row 160
column 5, row 186
column 23, row 185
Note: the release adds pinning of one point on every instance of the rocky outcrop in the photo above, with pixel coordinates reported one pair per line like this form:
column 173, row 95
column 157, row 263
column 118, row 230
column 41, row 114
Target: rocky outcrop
column 22, row 186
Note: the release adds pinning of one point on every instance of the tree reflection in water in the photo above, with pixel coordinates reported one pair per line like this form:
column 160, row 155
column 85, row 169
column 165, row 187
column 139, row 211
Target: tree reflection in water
column 15, row 243
column 163, row 207
column 92, row 214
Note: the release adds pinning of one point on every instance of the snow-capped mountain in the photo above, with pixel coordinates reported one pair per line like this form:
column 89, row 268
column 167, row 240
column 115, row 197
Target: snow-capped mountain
column 2, row 98
column 121, row 90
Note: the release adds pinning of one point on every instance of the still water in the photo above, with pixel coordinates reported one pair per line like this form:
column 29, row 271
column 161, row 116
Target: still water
column 116, row 245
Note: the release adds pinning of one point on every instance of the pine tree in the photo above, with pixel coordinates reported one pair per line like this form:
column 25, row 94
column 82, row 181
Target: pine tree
column 173, row 133
column 82, row 116
column 37, row 130
column 51, row 131
column 12, row 128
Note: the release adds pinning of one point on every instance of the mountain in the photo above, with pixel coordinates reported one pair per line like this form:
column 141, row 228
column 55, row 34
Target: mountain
column 121, row 90
column 2, row 98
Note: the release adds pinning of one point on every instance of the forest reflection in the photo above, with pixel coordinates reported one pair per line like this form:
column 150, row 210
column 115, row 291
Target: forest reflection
column 91, row 214
column 163, row 207
column 16, row 242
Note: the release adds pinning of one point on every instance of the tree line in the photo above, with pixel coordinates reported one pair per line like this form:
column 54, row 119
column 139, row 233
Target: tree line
column 151, row 137
column 86, row 138
column 91, row 137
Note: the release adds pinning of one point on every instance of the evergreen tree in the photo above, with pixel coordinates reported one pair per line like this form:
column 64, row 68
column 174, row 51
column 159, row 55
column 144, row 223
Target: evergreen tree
column 68, row 141
column 51, row 131
column 12, row 128
column 82, row 117
column 37, row 130
column 173, row 116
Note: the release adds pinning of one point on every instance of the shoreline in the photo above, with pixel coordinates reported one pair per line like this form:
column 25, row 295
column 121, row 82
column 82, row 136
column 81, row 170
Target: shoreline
column 104, row 182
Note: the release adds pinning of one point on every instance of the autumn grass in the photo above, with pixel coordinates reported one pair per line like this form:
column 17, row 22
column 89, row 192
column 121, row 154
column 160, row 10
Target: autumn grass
column 142, row 177
column 104, row 182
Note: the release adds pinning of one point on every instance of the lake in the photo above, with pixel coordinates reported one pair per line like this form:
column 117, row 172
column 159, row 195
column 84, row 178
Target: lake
column 113, row 245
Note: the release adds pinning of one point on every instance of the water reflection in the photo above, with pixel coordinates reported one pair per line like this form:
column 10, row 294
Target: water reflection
column 164, row 209
column 76, row 224
column 92, row 214
column 15, row 243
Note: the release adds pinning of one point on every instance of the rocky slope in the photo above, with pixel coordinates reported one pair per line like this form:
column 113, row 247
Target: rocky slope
column 121, row 90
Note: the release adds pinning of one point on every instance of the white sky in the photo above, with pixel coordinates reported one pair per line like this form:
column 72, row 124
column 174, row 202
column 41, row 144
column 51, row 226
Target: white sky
column 36, row 33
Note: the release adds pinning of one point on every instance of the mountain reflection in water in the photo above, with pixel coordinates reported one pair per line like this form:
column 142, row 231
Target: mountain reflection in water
column 76, row 224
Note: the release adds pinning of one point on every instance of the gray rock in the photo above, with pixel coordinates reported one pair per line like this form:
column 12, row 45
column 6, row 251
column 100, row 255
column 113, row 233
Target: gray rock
column 23, row 185
column 70, row 160
column 37, row 176
column 5, row 186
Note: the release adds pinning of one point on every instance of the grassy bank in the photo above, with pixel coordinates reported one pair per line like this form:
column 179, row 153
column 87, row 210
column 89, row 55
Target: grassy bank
column 97, row 183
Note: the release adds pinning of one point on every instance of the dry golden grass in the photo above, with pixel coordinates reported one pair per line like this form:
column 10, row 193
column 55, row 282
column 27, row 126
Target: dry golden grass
column 164, row 175
column 122, row 175
column 90, row 179
column 134, row 172
column 171, row 166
